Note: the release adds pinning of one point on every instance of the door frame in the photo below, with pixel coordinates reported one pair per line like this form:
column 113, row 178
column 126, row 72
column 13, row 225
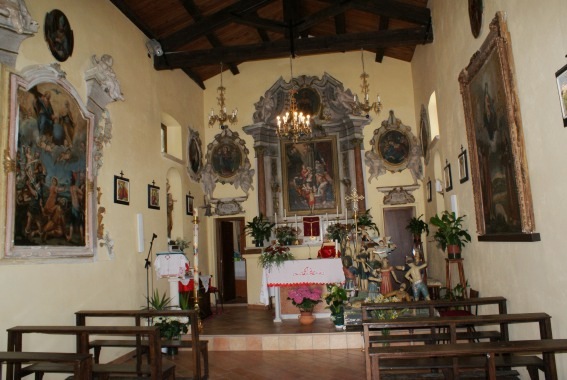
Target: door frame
column 219, row 246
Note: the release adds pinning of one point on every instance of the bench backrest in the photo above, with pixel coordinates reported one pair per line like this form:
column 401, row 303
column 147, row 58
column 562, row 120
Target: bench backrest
column 435, row 304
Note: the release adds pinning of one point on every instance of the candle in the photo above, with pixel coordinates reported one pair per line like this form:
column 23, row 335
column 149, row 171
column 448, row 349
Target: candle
column 337, row 210
column 276, row 218
column 327, row 218
column 296, row 221
column 195, row 252
column 284, row 214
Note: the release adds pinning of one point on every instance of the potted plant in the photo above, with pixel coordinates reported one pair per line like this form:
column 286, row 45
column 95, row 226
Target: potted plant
column 260, row 229
column 364, row 222
column 157, row 301
column 274, row 254
column 305, row 299
column 417, row 227
column 336, row 298
column 339, row 232
column 450, row 234
column 286, row 235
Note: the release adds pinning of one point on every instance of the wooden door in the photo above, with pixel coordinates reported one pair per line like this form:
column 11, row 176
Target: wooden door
column 395, row 221
column 226, row 281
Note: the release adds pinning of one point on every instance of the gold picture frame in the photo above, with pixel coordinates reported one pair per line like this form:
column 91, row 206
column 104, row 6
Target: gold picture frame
column 498, row 164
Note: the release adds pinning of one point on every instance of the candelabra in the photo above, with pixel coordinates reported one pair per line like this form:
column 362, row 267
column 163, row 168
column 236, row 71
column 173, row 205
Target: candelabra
column 222, row 116
column 365, row 106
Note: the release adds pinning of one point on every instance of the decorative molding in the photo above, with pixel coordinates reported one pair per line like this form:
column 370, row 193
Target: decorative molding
column 394, row 148
column 16, row 25
column 398, row 195
column 229, row 206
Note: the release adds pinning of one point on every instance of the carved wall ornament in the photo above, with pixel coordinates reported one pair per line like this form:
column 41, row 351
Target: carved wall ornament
column 398, row 195
column 230, row 206
column 16, row 24
column 394, row 148
column 194, row 155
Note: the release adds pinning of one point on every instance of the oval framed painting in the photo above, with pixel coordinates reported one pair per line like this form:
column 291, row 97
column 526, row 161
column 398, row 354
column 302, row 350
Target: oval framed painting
column 59, row 35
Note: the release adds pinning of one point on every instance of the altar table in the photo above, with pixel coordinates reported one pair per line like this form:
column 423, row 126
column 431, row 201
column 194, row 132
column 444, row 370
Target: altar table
column 297, row 273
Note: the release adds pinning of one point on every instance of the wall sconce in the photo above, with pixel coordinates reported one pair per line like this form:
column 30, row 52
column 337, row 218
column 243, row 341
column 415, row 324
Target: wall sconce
column 439, row 186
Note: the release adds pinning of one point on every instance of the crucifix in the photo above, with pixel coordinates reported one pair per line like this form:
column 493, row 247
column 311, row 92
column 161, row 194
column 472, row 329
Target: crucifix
column 354, row 198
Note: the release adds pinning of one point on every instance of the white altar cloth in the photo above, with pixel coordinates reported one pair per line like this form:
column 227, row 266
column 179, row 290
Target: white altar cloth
column 299, row 272
column 170, row 264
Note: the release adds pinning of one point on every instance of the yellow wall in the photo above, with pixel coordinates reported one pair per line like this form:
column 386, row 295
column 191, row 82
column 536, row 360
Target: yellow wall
column 51, row 293
column 530, row 275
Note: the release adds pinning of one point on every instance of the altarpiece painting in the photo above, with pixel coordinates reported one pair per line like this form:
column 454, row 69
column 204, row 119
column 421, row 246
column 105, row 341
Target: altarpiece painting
column 49, row 182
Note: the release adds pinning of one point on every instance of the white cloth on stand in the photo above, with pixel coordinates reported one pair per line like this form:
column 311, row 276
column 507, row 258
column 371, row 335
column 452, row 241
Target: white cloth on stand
column 170, row 265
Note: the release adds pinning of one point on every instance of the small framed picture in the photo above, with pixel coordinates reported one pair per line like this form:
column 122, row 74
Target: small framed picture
column 429, row 194
column 189, row 201
column 121, row 190
column 561, row 77
column 153, row 197
column 448, row 177
column 463, row 166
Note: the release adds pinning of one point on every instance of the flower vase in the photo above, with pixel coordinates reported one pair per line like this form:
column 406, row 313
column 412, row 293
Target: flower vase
column 306, row 317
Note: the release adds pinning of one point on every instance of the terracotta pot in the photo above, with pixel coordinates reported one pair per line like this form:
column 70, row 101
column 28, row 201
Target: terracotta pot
column 453, row 252
column 306, row 317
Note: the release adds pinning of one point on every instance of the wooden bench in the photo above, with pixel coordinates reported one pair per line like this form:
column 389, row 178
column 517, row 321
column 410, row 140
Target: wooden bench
column 490, row 352
column 373, row 330
column 434, row 305
column 82, row 335
column 137, row 316
column 81, row 363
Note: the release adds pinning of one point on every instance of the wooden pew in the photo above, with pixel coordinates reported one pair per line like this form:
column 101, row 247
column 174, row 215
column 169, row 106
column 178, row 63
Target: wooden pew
column 137, row 315
column 490, row 351
column 433, row 305
column 82, row 335
column 373, row 330
column 81, row 363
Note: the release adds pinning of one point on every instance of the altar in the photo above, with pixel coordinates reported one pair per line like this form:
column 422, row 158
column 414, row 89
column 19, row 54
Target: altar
column 297, row 273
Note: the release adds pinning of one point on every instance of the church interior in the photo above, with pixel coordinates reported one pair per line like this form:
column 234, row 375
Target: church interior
column 136, row 130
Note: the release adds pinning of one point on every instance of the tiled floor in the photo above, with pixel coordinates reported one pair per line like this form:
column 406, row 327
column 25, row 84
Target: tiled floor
column 244, row 329
column 258, row 362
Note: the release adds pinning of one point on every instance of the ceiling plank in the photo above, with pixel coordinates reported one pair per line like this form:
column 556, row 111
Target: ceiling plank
column 210, row 23
column 305, row 46
column 396, row 10
column 133, row 17
column 323, row 15
column 195, row 12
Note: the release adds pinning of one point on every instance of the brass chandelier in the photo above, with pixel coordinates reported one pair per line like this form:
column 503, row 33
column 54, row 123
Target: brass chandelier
column 294, row 125
column 222, row 116
column 364, row 107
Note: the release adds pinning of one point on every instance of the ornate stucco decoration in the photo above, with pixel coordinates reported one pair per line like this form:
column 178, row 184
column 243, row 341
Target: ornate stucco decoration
column 16, row 24
column 227, row 162
column 394, row 149
column 398, row 195
column 325, row 99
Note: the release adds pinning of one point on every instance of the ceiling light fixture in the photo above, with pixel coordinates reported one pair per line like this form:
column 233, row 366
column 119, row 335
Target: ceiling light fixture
column 294, row 125
column 365, row 107
column 222, row 117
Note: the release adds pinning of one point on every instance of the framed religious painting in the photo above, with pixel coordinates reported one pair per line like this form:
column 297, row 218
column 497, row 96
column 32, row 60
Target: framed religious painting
column 463, row 166
column 194, row 155
column 121, row 190
column 310, row 176
column 153, row 197
column 58, row 34
column 498, row 163
column 561, row 79
column 48, row 165
column 448, row 176
column 189, row 204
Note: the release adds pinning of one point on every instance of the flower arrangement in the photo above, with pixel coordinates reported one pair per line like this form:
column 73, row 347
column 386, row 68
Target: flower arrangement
column 286, row 234
column 387, row 314
column 170, row 327
column 338, row 231
column 181, row 243
column 305, row 298
column 274, row 254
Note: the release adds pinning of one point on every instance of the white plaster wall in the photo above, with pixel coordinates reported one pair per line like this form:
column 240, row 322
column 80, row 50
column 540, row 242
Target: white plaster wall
column 530, row 275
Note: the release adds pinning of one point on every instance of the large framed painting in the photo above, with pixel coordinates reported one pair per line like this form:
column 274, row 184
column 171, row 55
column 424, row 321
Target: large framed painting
column 49, row 211
column 503, row 204
column 561, row 79
column 194, row 155
column 310, row 176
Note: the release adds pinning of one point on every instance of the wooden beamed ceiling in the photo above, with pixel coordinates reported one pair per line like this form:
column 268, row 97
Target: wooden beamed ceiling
column 197, row 35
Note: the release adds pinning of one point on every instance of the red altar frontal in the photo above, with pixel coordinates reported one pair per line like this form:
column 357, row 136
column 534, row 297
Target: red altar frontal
column 294, row 273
